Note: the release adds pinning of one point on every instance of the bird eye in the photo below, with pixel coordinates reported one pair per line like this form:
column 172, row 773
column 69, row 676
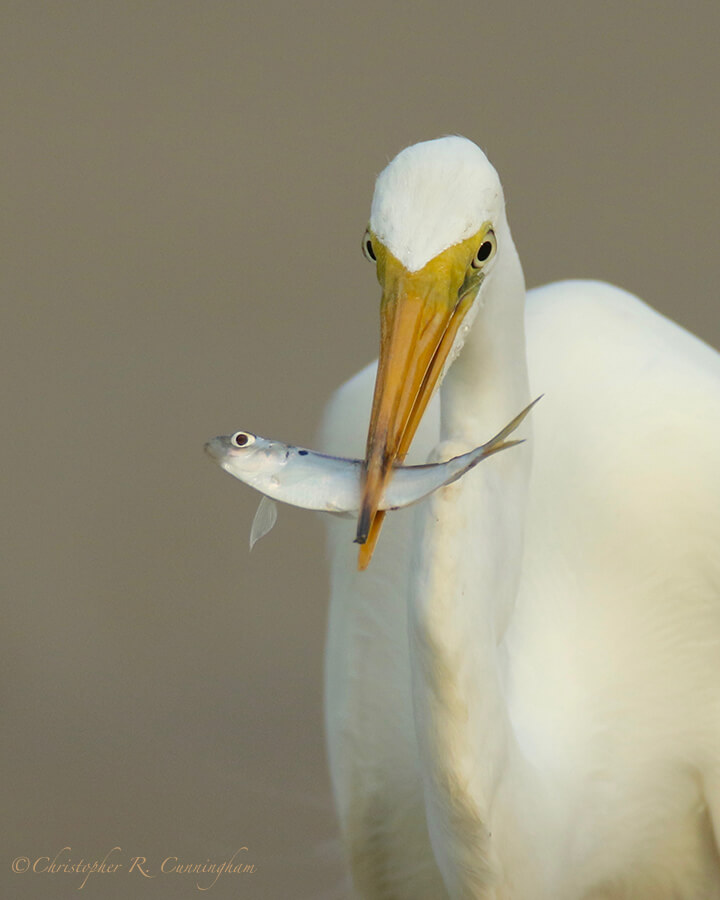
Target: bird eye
column 242, row 439
column 486, row 251
column 367, row 247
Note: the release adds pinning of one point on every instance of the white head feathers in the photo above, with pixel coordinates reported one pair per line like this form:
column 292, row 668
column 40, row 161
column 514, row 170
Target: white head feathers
column 434, row 195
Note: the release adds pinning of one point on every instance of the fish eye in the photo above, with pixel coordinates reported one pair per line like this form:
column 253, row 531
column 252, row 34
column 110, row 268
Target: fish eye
column 367, row 247
column 242, row 439
column 486, row 251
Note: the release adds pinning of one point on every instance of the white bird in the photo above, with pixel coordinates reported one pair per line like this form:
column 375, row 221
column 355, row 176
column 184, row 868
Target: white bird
column 523, row 687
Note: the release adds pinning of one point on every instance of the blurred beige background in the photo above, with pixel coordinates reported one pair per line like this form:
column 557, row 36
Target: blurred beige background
column 185, row 189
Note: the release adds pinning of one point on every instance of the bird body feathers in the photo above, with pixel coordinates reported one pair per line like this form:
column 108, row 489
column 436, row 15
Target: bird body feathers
column 608, row 660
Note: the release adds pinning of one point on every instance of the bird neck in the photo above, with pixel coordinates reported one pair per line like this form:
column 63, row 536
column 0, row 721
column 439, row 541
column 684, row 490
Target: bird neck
column 466, row 579
column 488, row 382
column 484, row 389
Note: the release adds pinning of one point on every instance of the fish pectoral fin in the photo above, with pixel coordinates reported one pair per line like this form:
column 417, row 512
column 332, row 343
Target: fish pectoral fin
column 265, row 518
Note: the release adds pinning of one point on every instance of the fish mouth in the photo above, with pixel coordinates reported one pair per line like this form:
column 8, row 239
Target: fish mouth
column 216, row 448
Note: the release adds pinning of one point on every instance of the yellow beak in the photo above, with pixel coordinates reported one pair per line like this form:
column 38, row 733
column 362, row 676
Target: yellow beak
column 421, row 313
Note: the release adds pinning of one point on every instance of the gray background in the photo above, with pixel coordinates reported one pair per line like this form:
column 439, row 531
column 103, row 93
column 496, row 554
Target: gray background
column 185, row 187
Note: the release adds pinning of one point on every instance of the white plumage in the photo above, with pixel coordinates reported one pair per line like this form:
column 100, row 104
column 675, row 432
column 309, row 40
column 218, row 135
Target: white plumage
column 523, row 689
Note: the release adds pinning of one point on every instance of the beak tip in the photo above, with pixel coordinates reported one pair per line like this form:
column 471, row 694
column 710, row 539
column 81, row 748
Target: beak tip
column 363, row 527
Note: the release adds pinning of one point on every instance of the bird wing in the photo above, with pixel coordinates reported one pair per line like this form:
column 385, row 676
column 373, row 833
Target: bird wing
column 614, row 649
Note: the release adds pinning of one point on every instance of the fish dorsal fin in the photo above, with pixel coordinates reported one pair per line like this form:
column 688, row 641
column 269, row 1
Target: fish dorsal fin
column 265, row 518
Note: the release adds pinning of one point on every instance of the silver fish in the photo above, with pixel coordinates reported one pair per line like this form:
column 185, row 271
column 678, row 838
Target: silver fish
column 333, row 484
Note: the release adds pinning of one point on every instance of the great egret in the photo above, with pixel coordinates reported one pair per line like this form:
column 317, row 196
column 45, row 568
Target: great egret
column 523, row 688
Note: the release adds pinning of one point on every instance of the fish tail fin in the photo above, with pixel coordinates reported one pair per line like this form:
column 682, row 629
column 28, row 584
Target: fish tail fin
column 495, row 444
column 476, row 456
column 496, row 447
column 498, row 442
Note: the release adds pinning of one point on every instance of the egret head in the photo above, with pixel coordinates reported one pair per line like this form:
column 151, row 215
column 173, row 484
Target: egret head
column 433, row 196
column 433, row 235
